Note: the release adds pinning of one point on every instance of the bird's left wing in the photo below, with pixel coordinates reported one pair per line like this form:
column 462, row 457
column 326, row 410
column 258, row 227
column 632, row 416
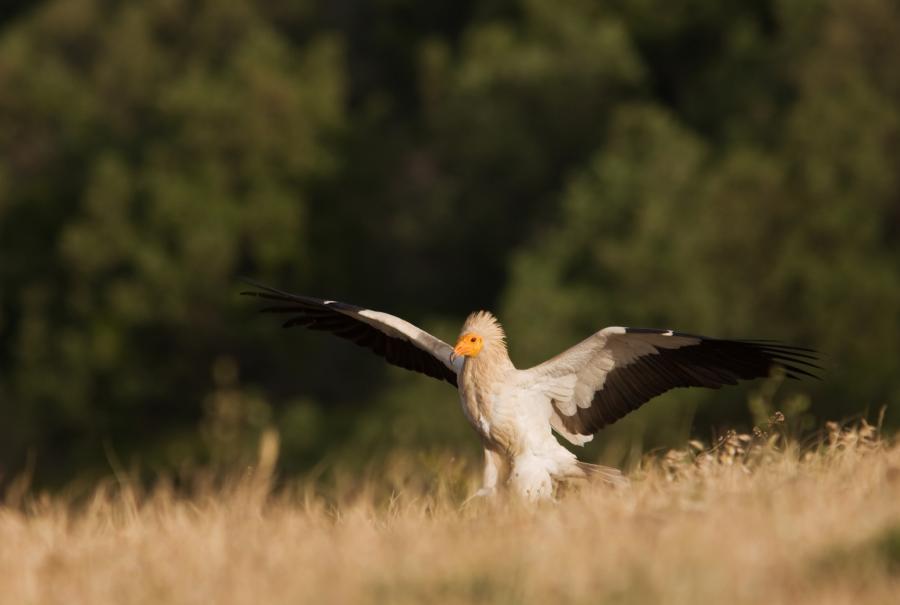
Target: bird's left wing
column 398, row 341
column 616, row 370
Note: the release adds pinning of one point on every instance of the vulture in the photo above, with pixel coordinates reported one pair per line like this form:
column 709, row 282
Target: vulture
column 575, row 394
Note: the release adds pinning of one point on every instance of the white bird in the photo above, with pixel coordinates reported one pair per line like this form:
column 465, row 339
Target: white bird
column 575, row 394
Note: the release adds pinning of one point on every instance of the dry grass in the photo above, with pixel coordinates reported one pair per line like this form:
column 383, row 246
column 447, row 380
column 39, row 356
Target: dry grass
column 753, row 520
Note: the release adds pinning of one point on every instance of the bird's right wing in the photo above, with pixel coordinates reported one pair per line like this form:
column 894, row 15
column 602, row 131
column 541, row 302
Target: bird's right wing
column 616, row 370
column 398, row 341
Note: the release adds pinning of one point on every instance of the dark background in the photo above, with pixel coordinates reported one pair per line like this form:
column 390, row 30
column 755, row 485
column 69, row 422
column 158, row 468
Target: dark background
column 722, row 167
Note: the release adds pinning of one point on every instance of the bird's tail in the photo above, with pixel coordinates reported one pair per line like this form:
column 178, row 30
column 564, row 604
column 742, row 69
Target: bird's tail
column 607, row 474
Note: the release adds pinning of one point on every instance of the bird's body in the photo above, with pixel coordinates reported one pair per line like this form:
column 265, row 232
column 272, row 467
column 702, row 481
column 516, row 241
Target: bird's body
column 515, row 412
column 511, row 410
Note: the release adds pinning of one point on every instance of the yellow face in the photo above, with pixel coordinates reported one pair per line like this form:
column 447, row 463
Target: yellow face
column 469, row 344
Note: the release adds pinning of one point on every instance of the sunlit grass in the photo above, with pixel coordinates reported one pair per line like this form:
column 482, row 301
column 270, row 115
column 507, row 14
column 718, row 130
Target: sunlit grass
column 751, row 519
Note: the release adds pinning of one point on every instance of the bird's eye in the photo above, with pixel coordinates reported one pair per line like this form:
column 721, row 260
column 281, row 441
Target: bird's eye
column 472, row 339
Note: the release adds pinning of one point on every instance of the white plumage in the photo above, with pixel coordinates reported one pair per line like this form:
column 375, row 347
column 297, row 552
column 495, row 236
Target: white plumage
column 576, row 393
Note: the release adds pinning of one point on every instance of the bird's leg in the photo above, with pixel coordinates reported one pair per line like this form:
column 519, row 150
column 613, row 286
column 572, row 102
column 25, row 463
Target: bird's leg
column 493, row 465
column 491, row 474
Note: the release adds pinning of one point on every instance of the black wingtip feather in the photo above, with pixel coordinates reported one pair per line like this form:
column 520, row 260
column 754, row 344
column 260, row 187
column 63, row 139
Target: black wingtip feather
column 343, row 320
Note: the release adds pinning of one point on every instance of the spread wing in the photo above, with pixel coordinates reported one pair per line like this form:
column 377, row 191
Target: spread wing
column 616, row 370
column 398, row 341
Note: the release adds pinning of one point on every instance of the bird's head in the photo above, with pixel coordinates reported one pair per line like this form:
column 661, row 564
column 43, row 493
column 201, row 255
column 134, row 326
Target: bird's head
column 480, row 335
column 468, row 345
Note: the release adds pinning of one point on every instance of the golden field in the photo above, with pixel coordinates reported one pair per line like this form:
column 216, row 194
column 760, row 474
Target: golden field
column 751, row 519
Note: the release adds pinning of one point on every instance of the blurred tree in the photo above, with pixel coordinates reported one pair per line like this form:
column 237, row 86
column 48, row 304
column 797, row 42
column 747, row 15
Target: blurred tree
column 523, row 102
column 149, row 151
column 796, row 240
column 11, row 9
column 718, row 166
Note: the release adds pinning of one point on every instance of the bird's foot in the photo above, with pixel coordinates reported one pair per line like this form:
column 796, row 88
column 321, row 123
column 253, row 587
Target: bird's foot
column 484, row 492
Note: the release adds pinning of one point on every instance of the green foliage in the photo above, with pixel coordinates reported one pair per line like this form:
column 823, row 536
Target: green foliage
column 151, row 152
column 718, row 167
column 794, row 239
